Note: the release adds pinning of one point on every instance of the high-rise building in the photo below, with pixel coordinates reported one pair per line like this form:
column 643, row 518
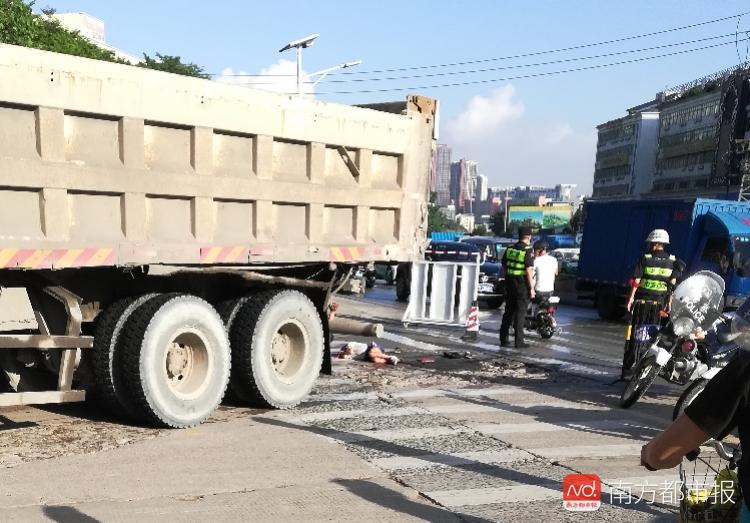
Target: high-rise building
column 458, row 185
column 682, row 144
column 463, row 184
column 625, row 154
column 482, row 190
column 701, row 124
column 443, row 174
column 470, row 179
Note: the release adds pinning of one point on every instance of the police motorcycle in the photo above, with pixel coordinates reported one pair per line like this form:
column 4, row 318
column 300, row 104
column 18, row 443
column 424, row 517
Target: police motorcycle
column 721, row 343
column 540, row 317
column 673, row 350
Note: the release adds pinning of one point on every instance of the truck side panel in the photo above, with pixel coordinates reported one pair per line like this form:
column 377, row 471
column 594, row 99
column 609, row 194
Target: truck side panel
column 108, row 164
column 615, row 232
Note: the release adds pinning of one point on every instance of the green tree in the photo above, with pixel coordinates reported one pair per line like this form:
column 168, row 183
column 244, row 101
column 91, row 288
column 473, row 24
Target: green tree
column 437, row 221
column 172, row 64
column 576, row 219
column 497, row 225
column 20, row 26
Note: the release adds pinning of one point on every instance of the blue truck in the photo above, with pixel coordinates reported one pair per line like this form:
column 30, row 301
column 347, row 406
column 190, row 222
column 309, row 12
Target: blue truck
column 704, row 234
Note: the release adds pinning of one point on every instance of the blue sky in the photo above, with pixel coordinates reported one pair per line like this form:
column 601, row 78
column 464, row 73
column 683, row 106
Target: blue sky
column 521, row 131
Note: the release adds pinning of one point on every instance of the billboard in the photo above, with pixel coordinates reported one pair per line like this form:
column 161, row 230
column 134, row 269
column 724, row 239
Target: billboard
column 547, row 217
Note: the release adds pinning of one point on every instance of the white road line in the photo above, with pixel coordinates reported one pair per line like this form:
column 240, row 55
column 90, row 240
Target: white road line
column 485, row 496
column 400, row 434
column 568, row 365
column 534, row 427
column 616, row 489
column 347, row 396
column 318, row 417
column 515, row 408
column 457, row 459
column 593, row 354
column 397, row 338
column 468, row 393
column 572, row 366
column 589, row 451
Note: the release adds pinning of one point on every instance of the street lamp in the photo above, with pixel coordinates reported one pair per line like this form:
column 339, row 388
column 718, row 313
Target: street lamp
column 303, row 43
column 298, row 45
column 506, row 198
column 324, row 72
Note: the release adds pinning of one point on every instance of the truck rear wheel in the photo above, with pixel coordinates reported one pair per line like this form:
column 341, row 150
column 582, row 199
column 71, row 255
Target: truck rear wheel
column 277, row 349
column 106, row 333
column 403, row 283
column 608, row 304
column 175, row 360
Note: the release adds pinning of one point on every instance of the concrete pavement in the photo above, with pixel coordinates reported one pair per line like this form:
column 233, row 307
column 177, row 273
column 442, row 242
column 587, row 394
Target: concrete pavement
column 237, row 470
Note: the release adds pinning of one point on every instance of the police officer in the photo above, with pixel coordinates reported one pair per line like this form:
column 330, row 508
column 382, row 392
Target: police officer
column 518, row 262
column 653, row 280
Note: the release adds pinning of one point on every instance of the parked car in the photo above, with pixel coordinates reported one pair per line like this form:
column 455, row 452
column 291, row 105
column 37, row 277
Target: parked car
column 567, row 260
column 492, row 276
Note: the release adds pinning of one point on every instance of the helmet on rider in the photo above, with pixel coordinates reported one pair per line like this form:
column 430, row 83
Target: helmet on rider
column 658, row 236
column 541, row 245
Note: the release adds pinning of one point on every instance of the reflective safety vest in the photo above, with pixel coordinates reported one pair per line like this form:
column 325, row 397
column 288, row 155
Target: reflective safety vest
column 515, row 259
column 657, row 273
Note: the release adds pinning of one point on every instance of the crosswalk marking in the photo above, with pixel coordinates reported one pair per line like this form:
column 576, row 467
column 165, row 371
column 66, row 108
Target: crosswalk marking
column 590, row 451
column 534, row 427
column 486, row 496
column 463, row 458
column 400, row 434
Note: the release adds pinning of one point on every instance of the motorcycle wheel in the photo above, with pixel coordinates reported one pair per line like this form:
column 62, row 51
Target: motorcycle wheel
column 688, row 395
column 546, row 328
column 644, row 374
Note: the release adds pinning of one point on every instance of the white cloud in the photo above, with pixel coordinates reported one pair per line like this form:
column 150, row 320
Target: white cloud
column 486, row 114
column 514, row 149
column 280, row 77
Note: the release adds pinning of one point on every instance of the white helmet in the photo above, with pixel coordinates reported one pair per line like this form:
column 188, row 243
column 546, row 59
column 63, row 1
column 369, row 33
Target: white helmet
column 658, row 236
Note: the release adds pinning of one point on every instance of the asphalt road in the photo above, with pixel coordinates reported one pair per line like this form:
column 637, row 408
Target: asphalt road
column 486, row 436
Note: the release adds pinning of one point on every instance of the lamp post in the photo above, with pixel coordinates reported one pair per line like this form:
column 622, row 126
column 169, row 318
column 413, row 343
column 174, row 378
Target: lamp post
column 506, row 198
column 304, row 43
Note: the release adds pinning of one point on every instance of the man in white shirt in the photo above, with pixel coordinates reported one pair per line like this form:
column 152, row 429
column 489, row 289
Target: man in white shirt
column 545, row 271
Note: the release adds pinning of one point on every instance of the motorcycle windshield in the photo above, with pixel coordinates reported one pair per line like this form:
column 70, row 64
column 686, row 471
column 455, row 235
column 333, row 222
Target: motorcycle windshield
column 698, row 298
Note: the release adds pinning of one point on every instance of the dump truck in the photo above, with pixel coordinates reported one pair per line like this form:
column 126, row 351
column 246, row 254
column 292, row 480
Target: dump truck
column 706, row 234
column 178, row 237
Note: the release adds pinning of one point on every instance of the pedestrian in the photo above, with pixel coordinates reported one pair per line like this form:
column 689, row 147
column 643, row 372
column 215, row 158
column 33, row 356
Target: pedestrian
column 650, row 295
column 545, row 271
column 518, row 262
column 723, row 406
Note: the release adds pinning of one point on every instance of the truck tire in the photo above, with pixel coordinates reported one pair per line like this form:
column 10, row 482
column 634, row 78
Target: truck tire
column 228, row 310
column 175, row 361
column 108, row 384
column 608, row 304
column 403, row 283
column 277, row 345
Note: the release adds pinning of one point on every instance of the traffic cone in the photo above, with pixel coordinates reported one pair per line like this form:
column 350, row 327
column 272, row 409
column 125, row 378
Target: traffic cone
column 472, row 324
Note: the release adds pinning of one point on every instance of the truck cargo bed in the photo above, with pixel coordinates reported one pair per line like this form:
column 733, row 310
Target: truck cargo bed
column 104, row 164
